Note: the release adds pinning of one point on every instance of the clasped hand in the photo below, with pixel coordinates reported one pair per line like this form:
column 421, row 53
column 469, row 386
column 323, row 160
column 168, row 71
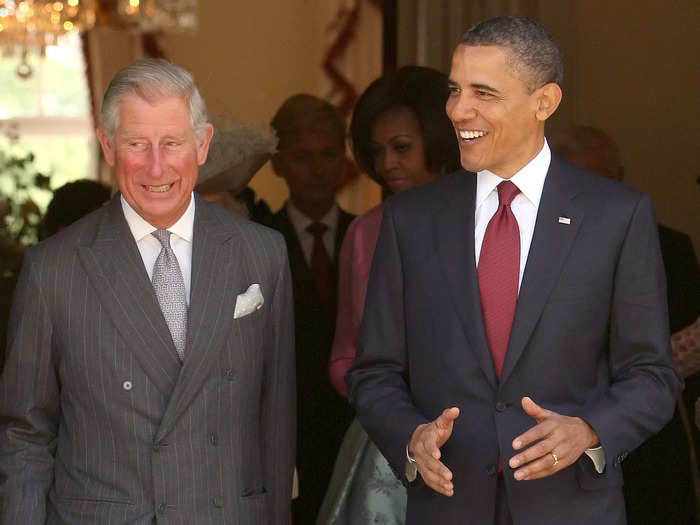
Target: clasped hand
column 552, row 444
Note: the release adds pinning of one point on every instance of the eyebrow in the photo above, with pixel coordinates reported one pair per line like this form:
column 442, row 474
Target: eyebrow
column 484, row 87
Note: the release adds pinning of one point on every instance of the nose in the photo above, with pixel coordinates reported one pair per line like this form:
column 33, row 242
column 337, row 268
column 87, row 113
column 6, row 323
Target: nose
column 157, row 161
column 460, row 107
column 387, row 161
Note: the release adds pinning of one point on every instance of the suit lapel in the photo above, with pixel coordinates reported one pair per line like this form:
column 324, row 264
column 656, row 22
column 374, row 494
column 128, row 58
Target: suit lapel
column 216, row 283
column 115, row 269
column 454, row 231
column 551, row 244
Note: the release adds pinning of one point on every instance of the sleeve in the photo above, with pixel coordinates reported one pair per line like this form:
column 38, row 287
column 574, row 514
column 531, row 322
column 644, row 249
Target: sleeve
column 644, row 384
column 29, row 405
column 279, row 402
column 378, row 380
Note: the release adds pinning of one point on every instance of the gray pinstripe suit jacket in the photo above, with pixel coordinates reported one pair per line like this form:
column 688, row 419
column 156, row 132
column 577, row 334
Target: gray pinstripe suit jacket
column 99, row 422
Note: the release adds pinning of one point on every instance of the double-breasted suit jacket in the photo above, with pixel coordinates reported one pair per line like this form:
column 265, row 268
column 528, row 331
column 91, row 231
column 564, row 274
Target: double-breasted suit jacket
column 589, row 338
column 101, row 423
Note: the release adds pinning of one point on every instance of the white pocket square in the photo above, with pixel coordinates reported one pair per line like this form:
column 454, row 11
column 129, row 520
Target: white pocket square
column 248, row 302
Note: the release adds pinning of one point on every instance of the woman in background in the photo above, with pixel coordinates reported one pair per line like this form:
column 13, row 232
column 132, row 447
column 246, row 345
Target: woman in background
column 401, row 137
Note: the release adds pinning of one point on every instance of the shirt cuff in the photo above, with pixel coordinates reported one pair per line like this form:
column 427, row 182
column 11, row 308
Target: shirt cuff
column 597, row 455
column 411, row 470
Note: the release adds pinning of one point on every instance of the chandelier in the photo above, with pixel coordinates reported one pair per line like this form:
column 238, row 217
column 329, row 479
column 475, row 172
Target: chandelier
column 31, row 25
column 35, row 24
column 149, row 16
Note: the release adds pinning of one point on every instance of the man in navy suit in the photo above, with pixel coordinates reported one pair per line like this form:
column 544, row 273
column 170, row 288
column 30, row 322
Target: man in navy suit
column 515, row 343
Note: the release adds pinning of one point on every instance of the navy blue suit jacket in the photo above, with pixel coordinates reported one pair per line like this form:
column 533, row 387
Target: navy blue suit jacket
column 590, row 338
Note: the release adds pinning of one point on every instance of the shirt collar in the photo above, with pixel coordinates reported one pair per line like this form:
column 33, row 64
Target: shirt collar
column 529, row 179
column 140, row 227
column 301, row 221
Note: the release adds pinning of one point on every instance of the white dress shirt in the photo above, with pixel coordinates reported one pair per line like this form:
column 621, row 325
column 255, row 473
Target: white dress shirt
column 149, row 246
column 530, row 181
column 301, row 222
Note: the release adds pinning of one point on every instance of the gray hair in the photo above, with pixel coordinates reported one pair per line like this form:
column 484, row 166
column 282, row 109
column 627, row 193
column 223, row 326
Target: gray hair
column 532, row 49
column 151, row 79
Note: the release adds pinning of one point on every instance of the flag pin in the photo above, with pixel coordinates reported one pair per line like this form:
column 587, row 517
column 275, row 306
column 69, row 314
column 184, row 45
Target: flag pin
column 564, row 220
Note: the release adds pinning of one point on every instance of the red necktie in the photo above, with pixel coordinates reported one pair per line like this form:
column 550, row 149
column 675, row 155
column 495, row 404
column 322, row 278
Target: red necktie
column 321, row 266
column 499, row 267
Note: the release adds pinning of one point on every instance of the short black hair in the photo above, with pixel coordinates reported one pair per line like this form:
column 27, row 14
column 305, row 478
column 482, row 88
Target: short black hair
column 72, row 201
column 533, row 50
column 421, row 90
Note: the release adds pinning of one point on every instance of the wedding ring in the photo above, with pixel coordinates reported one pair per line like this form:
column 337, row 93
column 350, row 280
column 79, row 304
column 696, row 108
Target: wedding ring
column 555, row 458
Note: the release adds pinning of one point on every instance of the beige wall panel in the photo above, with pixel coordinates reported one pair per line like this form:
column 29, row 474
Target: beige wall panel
column 633, row 71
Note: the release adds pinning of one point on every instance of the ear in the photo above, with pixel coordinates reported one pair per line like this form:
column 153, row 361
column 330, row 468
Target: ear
column 203, row 146
column 548, row 98
column 107, row 146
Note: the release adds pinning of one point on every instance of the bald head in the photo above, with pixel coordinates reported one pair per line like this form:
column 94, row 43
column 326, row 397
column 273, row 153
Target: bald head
column 590, row 148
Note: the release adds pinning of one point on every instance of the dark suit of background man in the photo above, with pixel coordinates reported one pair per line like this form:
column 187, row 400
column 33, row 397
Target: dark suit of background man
column 311, row 159
column 661, row 476
column 130, row 401
column 516, row 350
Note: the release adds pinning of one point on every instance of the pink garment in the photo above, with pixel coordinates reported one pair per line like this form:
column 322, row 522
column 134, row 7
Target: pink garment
column 354, row 264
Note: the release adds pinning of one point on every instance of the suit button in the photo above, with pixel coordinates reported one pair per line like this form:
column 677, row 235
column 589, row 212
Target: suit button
column 127, row 385
column 217, row 502
column 213, row 439
column 156, row 447
column 501, row 406
column 229, row 374
column 161, row 508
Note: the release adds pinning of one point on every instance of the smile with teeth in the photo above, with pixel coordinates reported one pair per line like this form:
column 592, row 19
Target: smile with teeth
column 471, row 134
column 159, row 189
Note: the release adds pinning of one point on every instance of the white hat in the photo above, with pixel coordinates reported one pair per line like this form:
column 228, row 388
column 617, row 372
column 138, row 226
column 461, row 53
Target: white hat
column 236, row 153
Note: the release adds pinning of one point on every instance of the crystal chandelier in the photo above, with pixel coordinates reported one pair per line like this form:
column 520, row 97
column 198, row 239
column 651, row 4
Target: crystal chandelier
column 148, row 16
column 35, row 24
column 31, row 25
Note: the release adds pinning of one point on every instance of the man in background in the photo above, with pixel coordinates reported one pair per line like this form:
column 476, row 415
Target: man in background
column 311, row 159
column 661, row 476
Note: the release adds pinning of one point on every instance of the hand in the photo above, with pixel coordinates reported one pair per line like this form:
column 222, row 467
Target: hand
column 424, row 446
column 566, row 437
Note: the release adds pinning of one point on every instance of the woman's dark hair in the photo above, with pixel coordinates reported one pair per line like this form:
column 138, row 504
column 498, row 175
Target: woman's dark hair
column 421, row 90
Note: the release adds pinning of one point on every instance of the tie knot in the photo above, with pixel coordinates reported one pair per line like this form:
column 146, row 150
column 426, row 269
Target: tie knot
column 163, row 237
column 317, row 229
column 506, row 193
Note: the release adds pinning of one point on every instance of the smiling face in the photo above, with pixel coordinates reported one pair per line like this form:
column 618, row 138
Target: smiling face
column 499, row 122
column 155, row 155
column 399, row 150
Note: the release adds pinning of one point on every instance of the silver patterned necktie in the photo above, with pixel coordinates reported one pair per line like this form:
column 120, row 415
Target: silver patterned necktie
column 170, row 291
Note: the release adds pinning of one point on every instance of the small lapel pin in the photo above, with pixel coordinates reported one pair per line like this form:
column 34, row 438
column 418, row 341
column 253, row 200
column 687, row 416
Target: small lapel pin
column 564, row 220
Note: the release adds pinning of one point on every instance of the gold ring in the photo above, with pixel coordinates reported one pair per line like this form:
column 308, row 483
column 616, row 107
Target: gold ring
column 555, row 458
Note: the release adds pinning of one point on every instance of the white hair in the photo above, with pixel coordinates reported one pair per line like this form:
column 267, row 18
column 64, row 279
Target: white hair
column 152, row 79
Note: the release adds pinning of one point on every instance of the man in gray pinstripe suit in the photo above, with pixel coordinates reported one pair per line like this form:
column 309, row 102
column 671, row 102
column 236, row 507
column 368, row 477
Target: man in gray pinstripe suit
column 107, row 415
